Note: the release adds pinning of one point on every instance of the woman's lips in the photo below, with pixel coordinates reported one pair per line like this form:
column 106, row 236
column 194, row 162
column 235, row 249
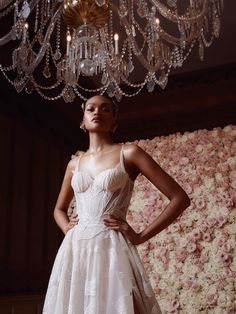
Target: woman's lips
column 96, row 120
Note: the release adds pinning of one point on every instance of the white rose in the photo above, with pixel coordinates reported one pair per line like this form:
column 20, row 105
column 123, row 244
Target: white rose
column 227, row 128
column 218, row 176
column 199, row 148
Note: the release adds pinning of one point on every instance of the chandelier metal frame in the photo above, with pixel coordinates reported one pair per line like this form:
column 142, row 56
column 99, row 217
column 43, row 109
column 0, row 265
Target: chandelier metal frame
column 57, row 42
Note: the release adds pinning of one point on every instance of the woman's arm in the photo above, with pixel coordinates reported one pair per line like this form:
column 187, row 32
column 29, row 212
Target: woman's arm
column 65, row 196
column 138, row 159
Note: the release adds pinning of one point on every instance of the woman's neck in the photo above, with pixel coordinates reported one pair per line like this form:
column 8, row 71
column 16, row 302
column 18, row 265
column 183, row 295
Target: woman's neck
column 99, row 142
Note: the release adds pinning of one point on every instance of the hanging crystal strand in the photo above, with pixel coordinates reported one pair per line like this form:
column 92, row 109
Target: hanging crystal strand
column 16, row 12
column 48, row 8
column 111, row 32
column 41, row 27
column 42, row 13
column 130, row 5
column 57, row 54
column 46, row 70
column 45, row 8
column 36, row 18
column 122, row 9
column 201, row 50
column 151, row 83
column 103, row 37
column 215, row 22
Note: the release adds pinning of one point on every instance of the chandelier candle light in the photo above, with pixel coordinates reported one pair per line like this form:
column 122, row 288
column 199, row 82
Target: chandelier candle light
column 58, row 42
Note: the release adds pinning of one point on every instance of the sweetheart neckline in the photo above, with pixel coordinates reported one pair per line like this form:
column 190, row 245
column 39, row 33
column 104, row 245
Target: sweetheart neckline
column 108, row 169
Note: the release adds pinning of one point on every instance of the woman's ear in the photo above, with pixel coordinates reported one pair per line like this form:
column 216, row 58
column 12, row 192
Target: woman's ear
column 82, row 126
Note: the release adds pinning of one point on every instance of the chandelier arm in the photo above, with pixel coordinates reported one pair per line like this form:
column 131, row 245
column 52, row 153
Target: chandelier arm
column 8, row 10
column 8, row 37
column 177, row 41
column 44, row 45
column 171, row 16
column 5, row 3
column 135, row 46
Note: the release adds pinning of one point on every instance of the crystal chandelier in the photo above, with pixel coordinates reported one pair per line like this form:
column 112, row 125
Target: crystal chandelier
column 57, row 44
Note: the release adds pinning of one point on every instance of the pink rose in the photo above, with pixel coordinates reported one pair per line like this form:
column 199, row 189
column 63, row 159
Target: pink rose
column 206, row 237
column 195, row 287
column 174, row 304
column 221, row 241
column 221, row 285
column 196, row 235
column 188, row 189
column 200, row 203
column 189, row 283
column 181, row 257
column 184, row 161
column 178, row 270
column 211, row 299
column 224, row 256
column 174, row 227
column 191, row 247
column 221, row 221
column 226, row 247
column 204, row 257
column 203, row 228
column 163, row 251
column 211, row 222
column 171, row 246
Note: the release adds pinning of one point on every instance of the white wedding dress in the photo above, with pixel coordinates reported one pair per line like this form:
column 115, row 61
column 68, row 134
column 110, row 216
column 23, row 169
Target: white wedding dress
column 97, row 270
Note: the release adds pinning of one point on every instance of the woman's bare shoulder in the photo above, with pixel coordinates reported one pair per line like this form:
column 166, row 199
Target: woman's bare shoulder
column 132, row 149
column 77, row 154
column 74, row 160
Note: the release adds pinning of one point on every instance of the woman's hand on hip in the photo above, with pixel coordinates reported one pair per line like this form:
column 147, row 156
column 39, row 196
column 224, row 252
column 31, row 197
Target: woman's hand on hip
column 73, row 221
column 119, row 224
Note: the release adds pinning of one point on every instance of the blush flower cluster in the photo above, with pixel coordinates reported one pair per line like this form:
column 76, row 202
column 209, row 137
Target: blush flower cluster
column 192, row 263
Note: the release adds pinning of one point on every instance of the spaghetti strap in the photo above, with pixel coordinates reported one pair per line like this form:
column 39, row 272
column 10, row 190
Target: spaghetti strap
column 122, row 157
column 77, row 162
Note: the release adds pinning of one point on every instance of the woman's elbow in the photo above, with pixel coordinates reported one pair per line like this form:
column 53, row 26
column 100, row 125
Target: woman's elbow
column 185, row 200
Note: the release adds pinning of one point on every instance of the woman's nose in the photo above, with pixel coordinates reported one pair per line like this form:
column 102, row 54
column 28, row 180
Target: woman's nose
column 97, row 111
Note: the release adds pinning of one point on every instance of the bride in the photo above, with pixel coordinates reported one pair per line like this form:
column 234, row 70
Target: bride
column 97, row 268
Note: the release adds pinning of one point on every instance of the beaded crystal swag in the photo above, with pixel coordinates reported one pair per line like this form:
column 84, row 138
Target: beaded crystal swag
column 120, row 45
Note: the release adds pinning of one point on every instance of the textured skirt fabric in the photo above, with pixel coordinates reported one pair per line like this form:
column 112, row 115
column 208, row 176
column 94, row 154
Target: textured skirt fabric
column 99, row 275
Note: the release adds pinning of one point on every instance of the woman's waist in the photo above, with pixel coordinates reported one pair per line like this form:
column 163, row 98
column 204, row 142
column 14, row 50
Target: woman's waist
column 90, row 216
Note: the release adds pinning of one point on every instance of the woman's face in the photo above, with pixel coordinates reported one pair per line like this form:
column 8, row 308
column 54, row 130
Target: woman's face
column 98, row 114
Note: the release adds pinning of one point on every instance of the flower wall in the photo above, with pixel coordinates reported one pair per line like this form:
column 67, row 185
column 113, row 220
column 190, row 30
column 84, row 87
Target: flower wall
column 192, row 263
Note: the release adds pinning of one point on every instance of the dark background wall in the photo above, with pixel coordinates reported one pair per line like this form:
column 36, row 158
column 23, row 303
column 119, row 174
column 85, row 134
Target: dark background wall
column 31, row 171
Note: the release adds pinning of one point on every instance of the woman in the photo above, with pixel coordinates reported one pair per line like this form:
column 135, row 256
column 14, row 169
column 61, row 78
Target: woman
column 97, row 268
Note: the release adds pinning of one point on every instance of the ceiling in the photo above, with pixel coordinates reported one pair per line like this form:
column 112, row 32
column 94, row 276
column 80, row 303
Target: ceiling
column 221, row 53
